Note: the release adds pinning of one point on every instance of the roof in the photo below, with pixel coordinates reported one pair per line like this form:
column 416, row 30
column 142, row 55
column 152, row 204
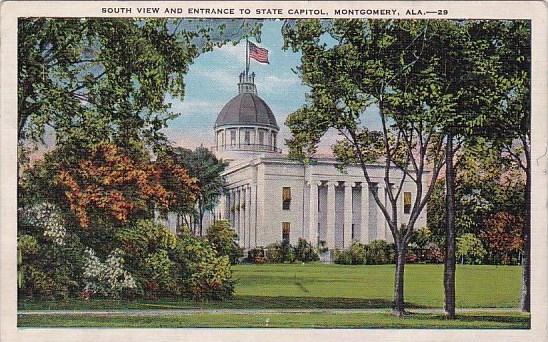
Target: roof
column 246, row 109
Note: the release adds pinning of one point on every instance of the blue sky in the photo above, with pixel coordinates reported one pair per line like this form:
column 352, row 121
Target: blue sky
column 212, row 81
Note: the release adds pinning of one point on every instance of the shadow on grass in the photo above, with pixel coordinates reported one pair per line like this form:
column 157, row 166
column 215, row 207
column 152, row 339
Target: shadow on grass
column 515, row 318
column 237, row 302
column 302, row 287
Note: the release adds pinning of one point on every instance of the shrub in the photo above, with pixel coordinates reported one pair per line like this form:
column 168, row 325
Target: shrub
column 380, row 252
column 421, row 237
column 205, row 274
column 434, row 254
column 109, row 278
column 470, row 249
column 164, row 264
column 279, row 252
column 224, row 240
column 256, row 255
column 357, row 251
column 212, row 280
column 343, row 257
column 355, row 255
column 305, row 252
column 274, row 253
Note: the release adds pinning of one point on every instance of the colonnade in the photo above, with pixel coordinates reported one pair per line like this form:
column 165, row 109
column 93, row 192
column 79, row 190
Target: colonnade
column 239, row 208
column 371, row 228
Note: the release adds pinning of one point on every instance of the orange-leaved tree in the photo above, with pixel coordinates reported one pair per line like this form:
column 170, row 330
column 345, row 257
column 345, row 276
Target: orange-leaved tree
column 111, row 183
column 503, row 236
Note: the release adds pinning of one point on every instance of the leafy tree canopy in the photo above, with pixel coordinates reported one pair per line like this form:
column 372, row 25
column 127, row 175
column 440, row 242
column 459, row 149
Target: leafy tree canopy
column 92, row 79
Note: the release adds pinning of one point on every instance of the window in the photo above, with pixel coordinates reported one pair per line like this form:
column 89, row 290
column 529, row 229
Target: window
column 232, row 137
column 247, row 138
column 353, row 231
column 406, row 202
column 286, row 198
column 274, row 140
column 261, row 137
column 285, row 232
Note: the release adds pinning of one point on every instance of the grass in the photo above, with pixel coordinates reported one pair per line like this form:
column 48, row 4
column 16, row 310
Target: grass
column 470, row 320
column 316, row 286
column 336, row 286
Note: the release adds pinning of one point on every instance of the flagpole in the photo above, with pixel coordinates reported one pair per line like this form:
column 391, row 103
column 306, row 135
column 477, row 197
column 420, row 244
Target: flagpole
column 246, row 57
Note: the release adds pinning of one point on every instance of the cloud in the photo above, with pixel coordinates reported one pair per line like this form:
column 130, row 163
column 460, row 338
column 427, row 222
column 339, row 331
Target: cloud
column 219, row 78
column 273, row 84
column 196, row 106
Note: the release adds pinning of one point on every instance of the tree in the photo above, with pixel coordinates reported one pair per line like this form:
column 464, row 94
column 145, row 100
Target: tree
column 513, row 132
column 108, row 185
column 389, row 64
column 485, row 67
column 471, row 248
column 203, row 165
column 89, row 79
column 486, row 184
column 503, row 236
column 469, row 67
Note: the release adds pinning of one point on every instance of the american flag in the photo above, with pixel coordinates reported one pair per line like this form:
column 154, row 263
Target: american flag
column 258, row 53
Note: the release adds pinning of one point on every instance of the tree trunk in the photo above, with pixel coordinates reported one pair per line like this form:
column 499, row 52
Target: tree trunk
column 525, row 300
column 450, row 258
column 399, row 304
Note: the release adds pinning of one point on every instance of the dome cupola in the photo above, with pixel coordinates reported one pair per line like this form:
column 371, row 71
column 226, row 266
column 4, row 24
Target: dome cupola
column 246, row 123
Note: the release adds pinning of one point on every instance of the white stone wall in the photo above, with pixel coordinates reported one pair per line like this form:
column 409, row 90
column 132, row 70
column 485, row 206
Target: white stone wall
column 340, row 198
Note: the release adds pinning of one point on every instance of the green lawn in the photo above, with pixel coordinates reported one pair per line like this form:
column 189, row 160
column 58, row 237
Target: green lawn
column 338, row 286
column 317, row 286
column 477, row 286
column 297, row 320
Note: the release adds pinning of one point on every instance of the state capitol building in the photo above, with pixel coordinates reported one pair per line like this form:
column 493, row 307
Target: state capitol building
column 272, row 198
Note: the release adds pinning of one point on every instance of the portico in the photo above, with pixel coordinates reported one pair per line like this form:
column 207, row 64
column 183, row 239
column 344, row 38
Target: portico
column 273, row 199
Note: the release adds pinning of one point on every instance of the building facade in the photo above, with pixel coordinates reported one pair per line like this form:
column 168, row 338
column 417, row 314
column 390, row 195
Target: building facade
column 271, row 198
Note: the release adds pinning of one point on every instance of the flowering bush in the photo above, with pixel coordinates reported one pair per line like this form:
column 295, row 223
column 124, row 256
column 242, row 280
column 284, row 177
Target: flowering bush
column 47, row 217
column 107, row 278
column 50, row 259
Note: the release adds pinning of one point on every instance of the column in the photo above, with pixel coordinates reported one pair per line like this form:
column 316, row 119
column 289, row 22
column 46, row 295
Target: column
column 241, row 217
column 237, row 213
column 364, row 224
column 229, row 207
column 248, row 215
column 252, row 213
column 313, row 213
column 347, row 237
column 330, row 239
column 381, row 220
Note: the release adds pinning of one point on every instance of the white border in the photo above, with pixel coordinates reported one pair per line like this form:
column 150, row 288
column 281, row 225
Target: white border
column 533, row 10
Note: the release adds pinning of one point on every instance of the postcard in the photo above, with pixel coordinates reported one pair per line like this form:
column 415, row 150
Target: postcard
column 273, row 170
